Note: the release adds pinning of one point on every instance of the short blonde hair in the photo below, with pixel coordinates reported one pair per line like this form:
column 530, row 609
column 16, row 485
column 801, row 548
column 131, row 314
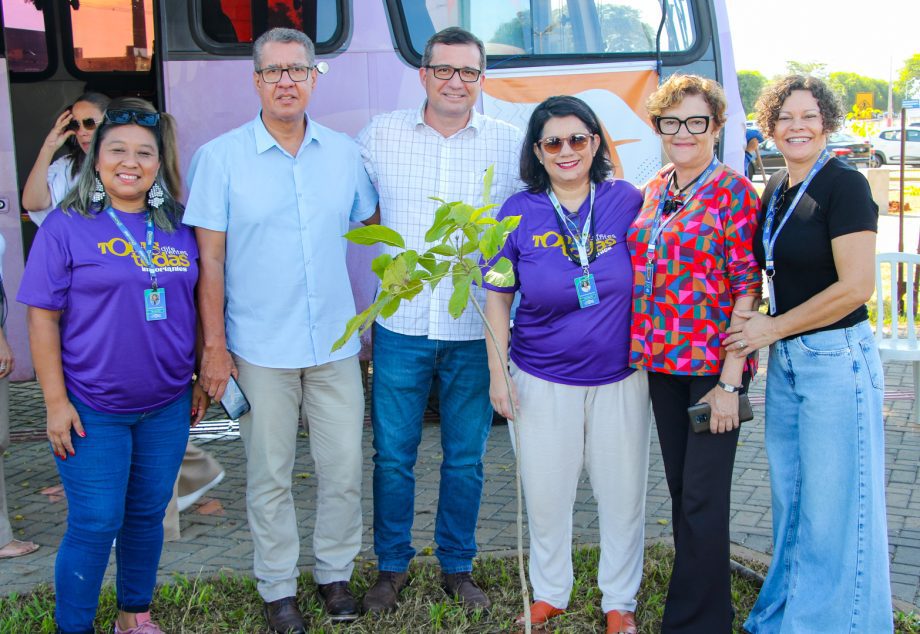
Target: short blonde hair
column 673, row 91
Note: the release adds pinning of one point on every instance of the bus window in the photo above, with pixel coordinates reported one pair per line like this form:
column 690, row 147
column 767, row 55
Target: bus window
column 535, row 28
column 233, row 21
column 112, row 35
column 24, row 37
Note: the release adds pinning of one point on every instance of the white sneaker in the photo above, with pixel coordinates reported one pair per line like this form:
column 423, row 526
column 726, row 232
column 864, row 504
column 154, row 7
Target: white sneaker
column 185, row 501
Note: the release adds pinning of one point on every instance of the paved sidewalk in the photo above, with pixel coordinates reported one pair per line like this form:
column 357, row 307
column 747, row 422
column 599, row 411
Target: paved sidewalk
column 215, row 534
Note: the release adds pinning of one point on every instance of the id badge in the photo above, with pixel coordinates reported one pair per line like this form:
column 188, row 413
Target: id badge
column 587, row 291
column 155, row 304
column 772, row 295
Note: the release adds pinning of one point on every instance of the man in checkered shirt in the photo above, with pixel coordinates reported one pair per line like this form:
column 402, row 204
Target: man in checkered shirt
column 441, row 149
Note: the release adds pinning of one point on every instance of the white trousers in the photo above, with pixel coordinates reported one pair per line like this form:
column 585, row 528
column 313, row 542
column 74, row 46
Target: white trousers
column 606, row 430
column 330, row 397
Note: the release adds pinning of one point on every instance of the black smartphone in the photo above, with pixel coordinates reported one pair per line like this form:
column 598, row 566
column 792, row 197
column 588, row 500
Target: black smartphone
column 234, row 401
column 699, row 417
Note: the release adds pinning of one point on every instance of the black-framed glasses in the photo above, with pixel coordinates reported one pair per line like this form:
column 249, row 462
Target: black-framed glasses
column 273, row 74
column 87, row 124
column 671, row 125
column 445, row 72
column 553, row 144
column 140, row 117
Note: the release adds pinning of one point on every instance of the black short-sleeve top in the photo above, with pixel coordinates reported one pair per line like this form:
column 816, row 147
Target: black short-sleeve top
column 837, row 202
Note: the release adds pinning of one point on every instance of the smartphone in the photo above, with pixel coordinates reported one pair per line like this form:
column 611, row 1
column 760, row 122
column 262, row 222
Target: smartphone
column 234, row 401
column 699, row 417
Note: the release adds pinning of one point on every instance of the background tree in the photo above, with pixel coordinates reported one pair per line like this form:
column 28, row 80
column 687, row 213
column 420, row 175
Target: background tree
column 816, row 69
column 909, row 78
column 847, row 85
column 750, row 83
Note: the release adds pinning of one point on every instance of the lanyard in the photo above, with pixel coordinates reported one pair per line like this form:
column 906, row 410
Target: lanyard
column 661, row 222
column 581, row 242
column 144, row 254
column 769, row 238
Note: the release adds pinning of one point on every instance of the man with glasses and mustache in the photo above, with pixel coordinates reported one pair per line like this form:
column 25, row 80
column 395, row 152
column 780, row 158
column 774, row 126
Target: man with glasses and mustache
column 440, row 149
column 271, row 201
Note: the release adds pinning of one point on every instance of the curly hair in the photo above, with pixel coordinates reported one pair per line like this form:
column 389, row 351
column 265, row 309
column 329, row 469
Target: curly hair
column 774, row 95
column 672, row 92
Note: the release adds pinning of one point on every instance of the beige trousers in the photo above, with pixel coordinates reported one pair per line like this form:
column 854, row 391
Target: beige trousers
column 198, row 469
column 330, row 399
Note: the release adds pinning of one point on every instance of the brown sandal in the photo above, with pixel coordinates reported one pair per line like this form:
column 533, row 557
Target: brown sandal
column 621, row 622
column 540, row 613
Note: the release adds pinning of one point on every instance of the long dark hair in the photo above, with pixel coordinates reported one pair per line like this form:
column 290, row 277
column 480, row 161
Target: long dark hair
column 74, row 151
column 532, row 171
column 167, row 216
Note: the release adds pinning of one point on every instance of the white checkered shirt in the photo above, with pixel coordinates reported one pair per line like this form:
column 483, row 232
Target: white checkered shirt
column 408, row 161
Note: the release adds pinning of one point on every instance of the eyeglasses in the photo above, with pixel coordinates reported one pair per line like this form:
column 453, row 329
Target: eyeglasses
column 671, row 125
column 446, row 73
column 87, row 124
column 272, row 75
column 140, row 117
column 553, row 144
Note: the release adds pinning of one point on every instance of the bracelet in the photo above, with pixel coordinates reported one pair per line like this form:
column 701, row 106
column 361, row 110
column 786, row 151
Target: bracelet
column 731, row 389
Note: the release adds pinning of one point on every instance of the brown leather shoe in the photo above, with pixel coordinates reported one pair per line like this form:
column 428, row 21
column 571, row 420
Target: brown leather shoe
column 383, row 595
column 284, row 617
column 461, row 586
column 337, row 599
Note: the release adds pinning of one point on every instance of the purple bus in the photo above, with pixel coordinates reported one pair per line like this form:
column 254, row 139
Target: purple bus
column 193, row 59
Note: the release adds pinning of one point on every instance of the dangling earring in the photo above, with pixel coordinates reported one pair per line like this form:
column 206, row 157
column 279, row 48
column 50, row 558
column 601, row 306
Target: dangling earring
column 155, row 196
column 99, row 191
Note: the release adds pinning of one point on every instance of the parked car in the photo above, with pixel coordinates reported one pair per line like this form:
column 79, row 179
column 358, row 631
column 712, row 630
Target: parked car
column 887, row 146
column 852, row 149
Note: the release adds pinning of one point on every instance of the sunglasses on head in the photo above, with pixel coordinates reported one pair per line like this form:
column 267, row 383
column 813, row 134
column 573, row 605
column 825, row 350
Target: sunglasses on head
column 87, row 124
column 553, row 144
column 140, row 117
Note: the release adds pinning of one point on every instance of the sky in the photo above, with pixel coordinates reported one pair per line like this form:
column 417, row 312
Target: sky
column 863, row 37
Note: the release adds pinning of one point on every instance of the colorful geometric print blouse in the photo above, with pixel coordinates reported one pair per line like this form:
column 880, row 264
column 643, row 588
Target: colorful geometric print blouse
column 704, row 262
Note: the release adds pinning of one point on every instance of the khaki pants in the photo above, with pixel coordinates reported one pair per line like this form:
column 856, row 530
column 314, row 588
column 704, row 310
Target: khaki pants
column 199, row 468
column 330, row 398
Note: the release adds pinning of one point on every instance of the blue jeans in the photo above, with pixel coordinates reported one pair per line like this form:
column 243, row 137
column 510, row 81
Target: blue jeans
column 825, row 443
column 404, row 368
column 118, row 484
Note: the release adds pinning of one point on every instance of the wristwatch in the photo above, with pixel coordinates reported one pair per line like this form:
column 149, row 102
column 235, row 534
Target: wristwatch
column 729, row 388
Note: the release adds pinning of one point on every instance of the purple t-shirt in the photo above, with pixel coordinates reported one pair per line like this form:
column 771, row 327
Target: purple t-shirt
column 114, row 359
column 553, row 338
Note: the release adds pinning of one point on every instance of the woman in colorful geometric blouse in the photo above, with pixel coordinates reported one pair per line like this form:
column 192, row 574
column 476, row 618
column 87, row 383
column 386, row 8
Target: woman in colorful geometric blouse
column 693, row 266
column 825, row 434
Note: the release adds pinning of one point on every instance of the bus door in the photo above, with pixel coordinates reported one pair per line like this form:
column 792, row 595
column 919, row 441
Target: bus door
column 51, row 51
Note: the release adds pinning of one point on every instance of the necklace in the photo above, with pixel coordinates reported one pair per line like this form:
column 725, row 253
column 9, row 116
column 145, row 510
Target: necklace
column 676, row 201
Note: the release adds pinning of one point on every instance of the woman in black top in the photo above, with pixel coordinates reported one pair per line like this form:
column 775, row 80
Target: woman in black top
column 824, row 426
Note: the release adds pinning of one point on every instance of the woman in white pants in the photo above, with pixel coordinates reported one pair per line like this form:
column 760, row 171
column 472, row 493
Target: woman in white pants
column 578, row 404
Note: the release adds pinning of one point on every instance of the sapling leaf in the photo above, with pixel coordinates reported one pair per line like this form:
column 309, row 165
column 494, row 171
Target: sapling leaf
column 475, row 276
column 388, row 308
column 501, row 273
column 471, row 231
column 470, row 246
column 459, row 298
column 380, row 264
column 461, row 213
column 439, row 273
column 444, row 249
column 428, row 261
column 373, row 234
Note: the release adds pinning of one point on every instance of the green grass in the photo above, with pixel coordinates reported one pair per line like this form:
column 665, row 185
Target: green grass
column 230, row 603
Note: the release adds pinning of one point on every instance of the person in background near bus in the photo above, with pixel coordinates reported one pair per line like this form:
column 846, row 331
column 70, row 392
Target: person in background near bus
column 116, row 371
column 752, row 139
column 440, row 149
column 825, row 434
column 694, row 269
column 49, row 181
column 9, row 546
column 580, row 404
column 271, row 201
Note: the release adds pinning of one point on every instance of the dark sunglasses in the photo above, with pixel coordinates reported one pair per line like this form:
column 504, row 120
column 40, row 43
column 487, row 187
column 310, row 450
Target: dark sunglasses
column 88, row 124
column 122, row 117
column 553, row 144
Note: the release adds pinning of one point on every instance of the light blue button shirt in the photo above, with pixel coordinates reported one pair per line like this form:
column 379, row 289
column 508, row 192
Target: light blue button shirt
column 288, row 295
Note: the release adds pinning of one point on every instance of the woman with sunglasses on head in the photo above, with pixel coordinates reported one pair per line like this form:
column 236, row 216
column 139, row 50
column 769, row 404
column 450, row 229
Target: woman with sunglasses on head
column 694, row 268
column 824, row 428
column 577, row 401
column 49, row 181
column 115, row 366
